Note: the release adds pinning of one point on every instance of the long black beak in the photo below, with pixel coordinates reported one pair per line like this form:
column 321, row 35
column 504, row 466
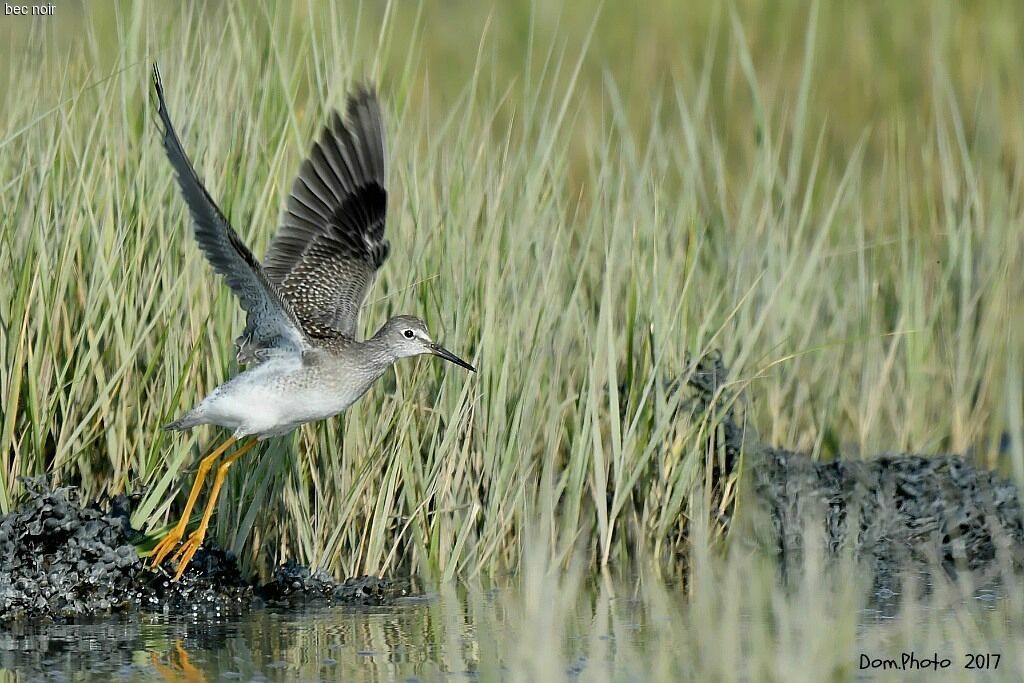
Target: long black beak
column 442, row 352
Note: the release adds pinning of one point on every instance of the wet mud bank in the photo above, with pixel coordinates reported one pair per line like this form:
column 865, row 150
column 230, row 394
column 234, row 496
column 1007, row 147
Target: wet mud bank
column 904, row 515
column 61, row 559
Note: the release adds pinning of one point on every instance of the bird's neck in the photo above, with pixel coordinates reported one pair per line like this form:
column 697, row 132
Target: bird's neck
column 380, row 356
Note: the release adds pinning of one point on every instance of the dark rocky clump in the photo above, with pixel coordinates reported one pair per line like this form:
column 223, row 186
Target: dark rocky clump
column 710, row 395
column 711, row 398
column 903, row 514
column 294, row 584
column 60, row 559
column 899, row 511
column 212, row 584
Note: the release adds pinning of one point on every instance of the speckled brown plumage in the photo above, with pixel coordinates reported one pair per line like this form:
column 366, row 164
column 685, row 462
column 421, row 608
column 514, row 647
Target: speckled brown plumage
column 331, row 240
column 303, row 301
column 320, row 264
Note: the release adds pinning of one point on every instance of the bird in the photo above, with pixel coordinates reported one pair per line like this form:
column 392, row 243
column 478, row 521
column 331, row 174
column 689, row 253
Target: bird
column 304, row 360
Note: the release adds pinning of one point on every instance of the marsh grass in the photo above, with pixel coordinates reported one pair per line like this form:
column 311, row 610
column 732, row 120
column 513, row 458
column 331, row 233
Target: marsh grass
column 579, row 200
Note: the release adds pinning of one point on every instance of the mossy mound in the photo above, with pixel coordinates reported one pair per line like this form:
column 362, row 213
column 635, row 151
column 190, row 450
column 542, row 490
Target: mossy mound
column 61, row 559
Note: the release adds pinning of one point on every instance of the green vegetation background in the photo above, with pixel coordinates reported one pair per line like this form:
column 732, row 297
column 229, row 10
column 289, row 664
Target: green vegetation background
column 830, row 194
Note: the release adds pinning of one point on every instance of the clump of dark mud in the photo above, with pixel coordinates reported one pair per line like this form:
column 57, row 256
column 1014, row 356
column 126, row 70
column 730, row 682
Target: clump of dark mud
column 293, row 583
column 903, row 514
column 61, row 559
column 710, row 397
column 899, row 510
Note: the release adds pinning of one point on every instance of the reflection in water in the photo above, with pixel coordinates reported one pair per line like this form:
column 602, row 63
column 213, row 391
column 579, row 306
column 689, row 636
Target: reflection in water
column 419, row 637
column 263, row 645
column 559, row 629
column 179, row 666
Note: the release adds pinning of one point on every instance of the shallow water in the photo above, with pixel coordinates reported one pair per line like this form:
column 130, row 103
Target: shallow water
column 598, row 633
column 441, row 636
column 386, row 643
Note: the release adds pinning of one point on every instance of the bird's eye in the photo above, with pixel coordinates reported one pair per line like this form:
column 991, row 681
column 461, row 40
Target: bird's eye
column 408, row 334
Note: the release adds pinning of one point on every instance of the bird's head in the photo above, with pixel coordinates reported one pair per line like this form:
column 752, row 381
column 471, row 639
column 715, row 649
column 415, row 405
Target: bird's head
column 406, row 336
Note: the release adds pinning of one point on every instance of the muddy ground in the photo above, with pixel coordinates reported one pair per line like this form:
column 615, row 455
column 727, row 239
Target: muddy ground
column 61, row 559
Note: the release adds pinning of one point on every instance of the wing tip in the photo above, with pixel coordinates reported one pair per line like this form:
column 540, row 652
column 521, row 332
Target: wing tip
column 362, row 108
column 363, row 92
column 158, row 88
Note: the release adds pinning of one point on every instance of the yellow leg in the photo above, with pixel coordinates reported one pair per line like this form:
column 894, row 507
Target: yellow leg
column 167, row 543
column 195, row 539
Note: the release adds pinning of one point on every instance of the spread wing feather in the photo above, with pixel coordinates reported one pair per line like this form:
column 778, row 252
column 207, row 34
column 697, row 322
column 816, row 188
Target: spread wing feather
column 271, row 325
column 331, row 240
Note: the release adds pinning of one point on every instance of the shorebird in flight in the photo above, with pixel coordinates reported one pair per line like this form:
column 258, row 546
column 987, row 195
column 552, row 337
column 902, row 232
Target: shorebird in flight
column 302, row 302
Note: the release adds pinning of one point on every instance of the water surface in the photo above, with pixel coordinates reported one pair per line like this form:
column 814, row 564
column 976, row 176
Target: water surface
column 556, row 631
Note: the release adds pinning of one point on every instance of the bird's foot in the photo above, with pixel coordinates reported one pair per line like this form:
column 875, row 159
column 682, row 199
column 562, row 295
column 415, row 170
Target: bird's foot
column 187, row 550
column 166, row 545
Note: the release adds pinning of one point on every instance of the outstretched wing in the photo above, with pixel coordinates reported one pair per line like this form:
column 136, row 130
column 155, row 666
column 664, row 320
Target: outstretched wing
column 271, row 326
column 331, row 240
